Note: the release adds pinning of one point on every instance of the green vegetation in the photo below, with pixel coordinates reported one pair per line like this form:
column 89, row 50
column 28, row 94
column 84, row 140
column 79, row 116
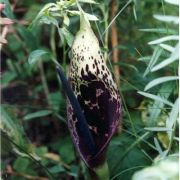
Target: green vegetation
column 138, row 38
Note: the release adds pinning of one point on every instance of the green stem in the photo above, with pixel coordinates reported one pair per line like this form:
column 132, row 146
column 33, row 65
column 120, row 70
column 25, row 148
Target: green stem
column 53, row 41
column 44, row 83
column 102, row 172
column 64, row 56
column 106, row 15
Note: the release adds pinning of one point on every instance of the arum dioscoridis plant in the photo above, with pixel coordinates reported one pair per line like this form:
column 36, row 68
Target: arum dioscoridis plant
column 94, row 105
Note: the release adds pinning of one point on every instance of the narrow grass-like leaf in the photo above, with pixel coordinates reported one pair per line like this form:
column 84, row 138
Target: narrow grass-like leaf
column 158, row 147
column 159, row 30
column 155, row 97
column 36, row 55
column 174, row 56
column 167, row 47
column 175, row 2
column 173, row 116
column 145, row 58
column 172, row 19
column 163, row 39
column 12, row 128
column 163, row 64
column 159, row 81
column 158, row 129
column 37, row 114
column 177, row 139
column 157, row 106
column 121, row 10
column 126, row 65
column 88, row 1
column 134, row 11
column 156, row 54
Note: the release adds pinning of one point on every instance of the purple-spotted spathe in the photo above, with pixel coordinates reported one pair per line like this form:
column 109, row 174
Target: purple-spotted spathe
column 97, row 94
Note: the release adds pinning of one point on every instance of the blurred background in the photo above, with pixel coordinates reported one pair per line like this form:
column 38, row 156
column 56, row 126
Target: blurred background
column 35, row 141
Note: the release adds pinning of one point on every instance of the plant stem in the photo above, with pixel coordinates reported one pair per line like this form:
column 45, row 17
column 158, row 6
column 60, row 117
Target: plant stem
column 101, row 172
column 114, row 43
column 122, row 9
column 106, row 16
column 53, row 42
column 44, row 82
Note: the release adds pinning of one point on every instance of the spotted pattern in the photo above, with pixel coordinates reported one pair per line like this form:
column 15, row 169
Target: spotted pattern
column 96, row 92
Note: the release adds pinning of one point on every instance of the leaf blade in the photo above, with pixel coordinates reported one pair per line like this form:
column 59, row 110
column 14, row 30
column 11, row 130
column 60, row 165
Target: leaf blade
column 37, row 114
column 155, row 97
column 174, row 56
column 156, row 54
column 159, row 81
column 169, row 19
column 35, row 56
column 163, row 39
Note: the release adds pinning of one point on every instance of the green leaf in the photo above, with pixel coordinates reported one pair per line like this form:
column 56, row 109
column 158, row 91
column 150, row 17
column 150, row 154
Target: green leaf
column 174, row 56
column 56, row 169
column 88, row 1
column 66, row 20
column 74, row 171
column 41, row 151
column 120, row 155
column 158, row 147
column 156, row 54
column 173, row 116
column 67, row 35
column 66, row 150
column 167, row 47
column 46, row 19
column 41, row 14
column 163, row 39
column 15, row 132
column 37, row 114
column 174, row 2
column 127, row 65
column 154, row 97
column 170, row 19
column 10, row 127
column 28, row 37
column 21, row 164
column 159, row 81
column 159, row 30
column 158, row 129
column 7, row 10
column 90, row 17
column 36, row 55
column 155, row 109
column 7, row 77
column 145, row 58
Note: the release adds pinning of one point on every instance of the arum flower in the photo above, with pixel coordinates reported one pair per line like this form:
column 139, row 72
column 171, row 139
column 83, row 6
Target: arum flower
column 94, row 106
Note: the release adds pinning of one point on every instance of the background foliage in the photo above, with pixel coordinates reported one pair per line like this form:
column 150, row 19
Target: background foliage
column 34, row 137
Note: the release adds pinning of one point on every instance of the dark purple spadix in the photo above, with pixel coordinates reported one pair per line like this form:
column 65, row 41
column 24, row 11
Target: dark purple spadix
column 97, row 94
